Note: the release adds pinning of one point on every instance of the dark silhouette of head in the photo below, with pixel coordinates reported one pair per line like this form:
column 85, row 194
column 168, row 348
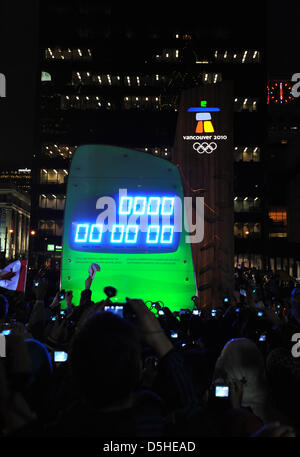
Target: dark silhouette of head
column 105, row 361
column 3, row 307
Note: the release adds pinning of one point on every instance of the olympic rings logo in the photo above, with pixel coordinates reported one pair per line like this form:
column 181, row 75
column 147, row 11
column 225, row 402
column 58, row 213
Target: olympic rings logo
column 201, row 148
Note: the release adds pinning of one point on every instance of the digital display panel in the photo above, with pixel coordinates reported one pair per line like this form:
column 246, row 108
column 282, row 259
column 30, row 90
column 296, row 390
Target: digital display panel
column 143, row 223
column 133, row 221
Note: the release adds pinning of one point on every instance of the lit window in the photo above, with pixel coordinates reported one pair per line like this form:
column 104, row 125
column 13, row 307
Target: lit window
column 278, row 216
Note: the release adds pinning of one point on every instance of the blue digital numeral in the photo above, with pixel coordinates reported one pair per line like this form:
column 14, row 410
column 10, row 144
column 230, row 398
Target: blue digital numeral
column 167, row 234
column 167, row 206
column 117, row 234
column 81, row 233
column 125, row 205
column 153, row 234
column 96, row 233
column 153, row 206
column 139, row 205
column 131, row 233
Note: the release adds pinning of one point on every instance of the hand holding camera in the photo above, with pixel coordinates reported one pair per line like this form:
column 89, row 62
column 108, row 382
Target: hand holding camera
column 40, row 289
column 150, row 327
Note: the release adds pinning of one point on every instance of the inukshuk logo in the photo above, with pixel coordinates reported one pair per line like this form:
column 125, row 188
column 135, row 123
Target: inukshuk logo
column 204, row 125
column 203, row 118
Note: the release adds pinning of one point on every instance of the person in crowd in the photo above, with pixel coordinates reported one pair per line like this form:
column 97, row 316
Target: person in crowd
column 226, row 370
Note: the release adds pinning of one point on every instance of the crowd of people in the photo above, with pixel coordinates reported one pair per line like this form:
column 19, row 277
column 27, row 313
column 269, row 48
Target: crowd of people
column 139, row 370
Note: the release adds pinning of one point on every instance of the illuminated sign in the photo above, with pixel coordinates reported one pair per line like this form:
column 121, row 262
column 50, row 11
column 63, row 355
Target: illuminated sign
column 203, row 118
column 144, row 223
column 205, row 129
column 52, row 248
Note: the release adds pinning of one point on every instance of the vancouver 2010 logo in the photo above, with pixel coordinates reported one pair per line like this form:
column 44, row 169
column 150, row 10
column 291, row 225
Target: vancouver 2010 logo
column 204, row 129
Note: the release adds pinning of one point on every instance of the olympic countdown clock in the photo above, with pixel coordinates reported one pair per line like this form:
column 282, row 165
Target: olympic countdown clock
column 125, row 211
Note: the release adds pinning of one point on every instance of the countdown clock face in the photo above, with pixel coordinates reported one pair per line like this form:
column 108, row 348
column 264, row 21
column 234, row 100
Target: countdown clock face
column 125, row 211
column 143, row 223
column 279, row 92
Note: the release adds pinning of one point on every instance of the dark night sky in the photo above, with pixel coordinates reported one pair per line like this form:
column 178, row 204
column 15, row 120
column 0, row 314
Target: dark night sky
column 283, row 38
column 17, row 60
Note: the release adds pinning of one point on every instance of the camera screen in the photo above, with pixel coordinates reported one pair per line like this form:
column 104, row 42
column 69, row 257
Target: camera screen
column 60, row 356
column 118, row 310
column 174, row 335
column 262, row 338
column 160, row 312
column 196, row 312
column 222, row 391
column 6, row 332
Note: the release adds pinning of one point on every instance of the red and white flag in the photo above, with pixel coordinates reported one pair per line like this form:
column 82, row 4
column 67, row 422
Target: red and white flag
column 13, row 276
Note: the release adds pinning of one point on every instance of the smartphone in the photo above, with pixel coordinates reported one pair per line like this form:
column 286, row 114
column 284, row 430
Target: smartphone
column 6, row 332
column 36, row 283
column 260, row 313
column 262, row 338
column 161, row 312
column 226, row 300
column 243, row 292
column 174, row 335
column 196, row 312
column 237, row 310
column 60, row 356
column 222, row 391
column 62, row 312
column 183, row 345
column 213, row 312
column 118, row 310
column 53, row 318
column 62, row 294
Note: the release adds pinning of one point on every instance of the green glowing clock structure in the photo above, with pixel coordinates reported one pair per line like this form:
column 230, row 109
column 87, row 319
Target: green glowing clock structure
column 125, row 211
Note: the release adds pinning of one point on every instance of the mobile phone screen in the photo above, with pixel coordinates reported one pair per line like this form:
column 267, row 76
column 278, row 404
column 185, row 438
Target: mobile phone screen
column 118, row 310
column 60, row 356
column 222, row 391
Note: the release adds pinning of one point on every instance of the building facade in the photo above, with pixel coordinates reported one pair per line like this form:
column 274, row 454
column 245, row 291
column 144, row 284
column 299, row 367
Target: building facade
column 14, row 223
column 109, row 78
